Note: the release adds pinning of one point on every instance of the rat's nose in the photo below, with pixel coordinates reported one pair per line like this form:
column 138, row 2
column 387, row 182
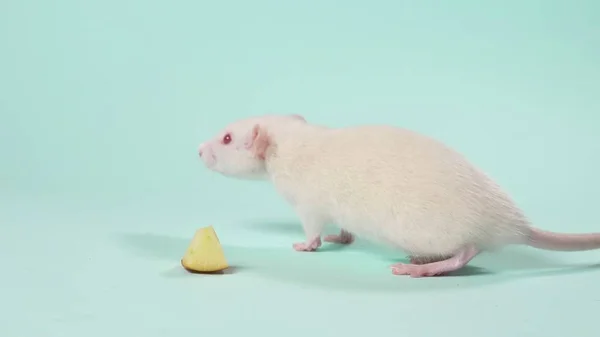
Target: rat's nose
column 201, row 149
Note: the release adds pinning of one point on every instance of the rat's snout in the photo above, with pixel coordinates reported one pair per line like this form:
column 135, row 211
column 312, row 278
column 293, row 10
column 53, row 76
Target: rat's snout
column 206, row 154
column 201, row 149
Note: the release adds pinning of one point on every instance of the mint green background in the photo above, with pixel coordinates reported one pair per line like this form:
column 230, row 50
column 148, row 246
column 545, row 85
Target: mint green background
column 103, row 104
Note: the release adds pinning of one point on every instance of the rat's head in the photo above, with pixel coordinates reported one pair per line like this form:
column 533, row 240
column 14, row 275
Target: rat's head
column 240, row 149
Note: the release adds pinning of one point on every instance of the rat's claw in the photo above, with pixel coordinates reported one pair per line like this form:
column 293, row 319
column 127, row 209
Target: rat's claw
column 309, row 246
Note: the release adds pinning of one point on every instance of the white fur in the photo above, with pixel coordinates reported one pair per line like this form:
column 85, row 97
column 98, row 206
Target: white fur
column 387, row 184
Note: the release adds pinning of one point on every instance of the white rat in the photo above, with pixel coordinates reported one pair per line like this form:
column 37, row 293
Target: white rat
column 386, row 184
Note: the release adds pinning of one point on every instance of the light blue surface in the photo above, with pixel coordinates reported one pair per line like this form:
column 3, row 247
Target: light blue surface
column 103, row 104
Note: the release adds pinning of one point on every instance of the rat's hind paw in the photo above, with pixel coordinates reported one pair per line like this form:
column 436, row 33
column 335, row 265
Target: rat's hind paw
column 309, row 246
column 427, row 259
column 436, row 268
column 414, row 270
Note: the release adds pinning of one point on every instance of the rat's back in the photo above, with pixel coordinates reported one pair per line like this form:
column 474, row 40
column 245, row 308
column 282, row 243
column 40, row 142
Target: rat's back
column 395, row 186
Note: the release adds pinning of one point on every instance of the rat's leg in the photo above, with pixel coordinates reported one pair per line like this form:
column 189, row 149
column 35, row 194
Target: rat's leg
column 343, row 238
column 453, row 263
column 313, row 225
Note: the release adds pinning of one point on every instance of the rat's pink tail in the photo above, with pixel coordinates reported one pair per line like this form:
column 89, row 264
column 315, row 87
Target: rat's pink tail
column 563, row 242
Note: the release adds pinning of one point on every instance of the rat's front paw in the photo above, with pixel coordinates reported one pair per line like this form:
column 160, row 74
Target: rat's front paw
column 344, row 238
column 309, row 246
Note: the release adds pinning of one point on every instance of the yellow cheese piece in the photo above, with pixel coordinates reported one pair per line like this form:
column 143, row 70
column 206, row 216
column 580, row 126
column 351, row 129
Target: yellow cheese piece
column 204, row 254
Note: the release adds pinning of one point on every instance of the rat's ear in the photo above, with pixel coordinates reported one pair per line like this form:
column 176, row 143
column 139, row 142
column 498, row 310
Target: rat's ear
column 258, row 141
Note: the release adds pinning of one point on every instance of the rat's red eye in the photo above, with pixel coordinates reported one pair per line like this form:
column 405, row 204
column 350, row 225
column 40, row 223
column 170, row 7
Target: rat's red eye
column 227, row 139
